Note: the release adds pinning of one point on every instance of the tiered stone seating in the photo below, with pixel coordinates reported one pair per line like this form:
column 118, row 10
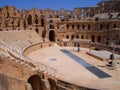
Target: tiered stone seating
column 17, row 40
column 14, row 43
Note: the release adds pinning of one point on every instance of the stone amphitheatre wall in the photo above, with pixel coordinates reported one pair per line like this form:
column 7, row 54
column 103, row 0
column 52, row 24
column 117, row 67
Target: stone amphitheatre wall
column 87, row 22
column 11, row 83
column 34, row 47
column 16, row 76
column 14, row 68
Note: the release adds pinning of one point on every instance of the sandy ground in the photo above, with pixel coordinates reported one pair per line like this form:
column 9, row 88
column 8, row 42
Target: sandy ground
column 70, row 70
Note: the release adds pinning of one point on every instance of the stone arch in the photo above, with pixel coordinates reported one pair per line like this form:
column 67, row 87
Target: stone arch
column 82, row 37
column 29, row 19
column 72, row 37
column 37, row 30
column 1, row 30
column 83, row 27
column 78, row 26
column 36, row 16
column 24, row 24
column 51, row 25
column 35, row 82
column 42, row 20
column 93, row 38
column 18, row 23
column 99, row 39
column 52, row 84
column 67, row 36
column 88, row 26
column 73, row 26
column 101, row 26
column 52, row 35
column 36, row 21
column 77, row 36
column 114, row 26
column 108, row 26
column 67, row 26
column 7, row 15
column 56, row 14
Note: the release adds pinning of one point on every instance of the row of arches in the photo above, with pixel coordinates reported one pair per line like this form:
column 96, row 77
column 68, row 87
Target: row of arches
column 107, row 26
column 92, row 37
column 38, row 82
column 24, row 22
column 36, row 20
column 78, row 26
column 81, row 26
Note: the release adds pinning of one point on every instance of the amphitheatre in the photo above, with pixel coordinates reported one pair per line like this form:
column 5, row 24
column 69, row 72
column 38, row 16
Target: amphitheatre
column 62, row 49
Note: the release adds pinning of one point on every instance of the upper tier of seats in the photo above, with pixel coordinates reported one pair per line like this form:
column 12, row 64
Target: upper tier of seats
column 19, row 39
column 29, row 35
column 13, row 44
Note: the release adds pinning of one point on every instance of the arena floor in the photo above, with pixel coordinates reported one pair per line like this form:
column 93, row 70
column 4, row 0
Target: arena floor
column 71, row 70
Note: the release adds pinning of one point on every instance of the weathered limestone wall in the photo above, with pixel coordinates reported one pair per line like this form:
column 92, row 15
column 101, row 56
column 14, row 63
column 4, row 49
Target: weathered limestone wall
column 11, row 83
column 14, row 68
column 20, row 77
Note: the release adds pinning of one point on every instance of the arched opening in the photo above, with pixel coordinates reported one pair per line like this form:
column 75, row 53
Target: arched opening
column 82, row 37
column 36, row 21
column 77, row 36
column 93, row 38
column 24, row 25
column 99, row 39
column 18, row 23
column 29, row 20
column 42, row 20
column 7, row 16
column 78, row 26
column 108, row 26
column 35, row 82
column 51, row 25
column 67, row 36
column 56, row 15
column 67, row 26
column 114, row 26
column 101, row 26
column 73, row 26
column 52, row 84
column 52, row 35
column 37, row 30
column 83, row 27
column 88, row 26
column 72, row 37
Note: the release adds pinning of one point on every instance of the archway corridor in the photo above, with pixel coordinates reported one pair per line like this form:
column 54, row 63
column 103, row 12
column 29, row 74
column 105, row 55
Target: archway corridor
column 52, row 35
column 35, row 82
column 38, row 82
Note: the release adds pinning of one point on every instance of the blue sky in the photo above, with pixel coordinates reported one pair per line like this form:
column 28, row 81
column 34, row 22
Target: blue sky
column 53, row 4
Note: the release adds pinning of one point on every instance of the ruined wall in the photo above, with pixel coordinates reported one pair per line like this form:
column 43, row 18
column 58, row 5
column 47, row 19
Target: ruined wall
column 10, row 83
column 17, row 76
column 65, row 23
